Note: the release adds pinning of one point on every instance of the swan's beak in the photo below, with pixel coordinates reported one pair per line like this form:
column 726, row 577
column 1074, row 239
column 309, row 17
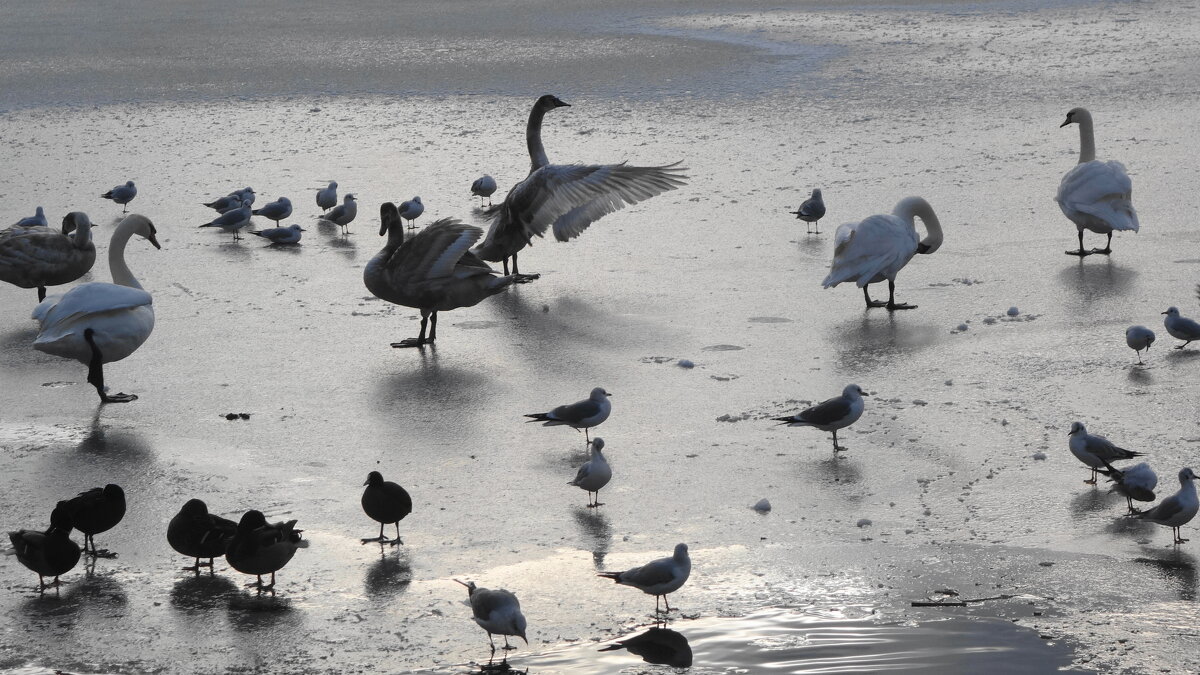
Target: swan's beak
column 1065, row 123
column 154, row 240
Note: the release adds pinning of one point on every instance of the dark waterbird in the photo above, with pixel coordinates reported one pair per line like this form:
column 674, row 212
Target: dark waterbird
column 811, row 211
column 196, row 533
column 95, row 511
column 259, row 547
column 385, row 502
column 50, row 553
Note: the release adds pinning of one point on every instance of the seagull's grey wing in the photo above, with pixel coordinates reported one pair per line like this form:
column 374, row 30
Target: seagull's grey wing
column 652, row 573
column 1164, row 510
column 584, row 472
column 484, row 602
column 576, row 412
column 826, row 412
column 812, row 208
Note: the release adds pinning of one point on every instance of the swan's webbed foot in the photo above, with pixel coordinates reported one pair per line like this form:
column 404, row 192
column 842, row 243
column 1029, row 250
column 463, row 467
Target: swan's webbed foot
column 117, row 398
column 411, row 342
column 525, row 278
column 876, row 303
column 1102, row 251
column 893, row 306
column 1081, row 253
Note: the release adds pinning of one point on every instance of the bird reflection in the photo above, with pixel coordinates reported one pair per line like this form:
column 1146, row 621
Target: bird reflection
column 1139, row 375
column 233, row 251
column 123, row 444
column 501, row 667
column 344, row 245
column 1176, row 565
column 596, row 531
column 201, row 592
column 428, row 383
column 835, row 470
column 1091, row 500
column 658, row 645
column 390, row 575
column 253, row 612
column 1094, row 279
column 871, row 341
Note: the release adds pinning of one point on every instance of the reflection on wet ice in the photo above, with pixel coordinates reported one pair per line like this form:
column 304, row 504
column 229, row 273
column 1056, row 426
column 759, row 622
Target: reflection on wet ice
column 390, row 575
column 596, row 531
column 660, row 646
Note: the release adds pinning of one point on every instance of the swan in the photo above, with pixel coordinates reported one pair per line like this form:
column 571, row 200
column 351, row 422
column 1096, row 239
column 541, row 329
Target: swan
column 97, row 323
column 37, row 257
column 497, row 612
column 811, row 211
column 327, row 196
column 232, row 220
column 433, row 271
column 880, row 246
column 385, row 502
column 344, row 213
column 484, row 186
column 277, row 210
column 38, row 219
column 411, row 210
column 122, row 194
column 1094, row 194
column 569, row 197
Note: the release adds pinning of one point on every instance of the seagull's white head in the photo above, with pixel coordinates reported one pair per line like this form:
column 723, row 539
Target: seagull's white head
column 1186, row 475
column 816, row 193
column 597, row 444
column 1172, row 311
column 853, row 391
column 1076, row 428
column 598, row 394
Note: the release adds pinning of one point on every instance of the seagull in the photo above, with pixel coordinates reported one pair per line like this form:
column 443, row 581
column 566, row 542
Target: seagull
column 1178, row 509
column 1136, row 482
column 1095, row 195
column 1180, row 327
column 227, row 203
column 880, row 246
column 385, row 502
column 836, row 413
column 1095, row 451
column 581, row 415
column 196, row 533
column 37, row 257
column 432, row 271
column 232, row 220
column 122, row 194
column 260, row 548
column 657, row 577
column 484, row 186
column 342, row 214
column 277, row 210
column 1139, row 338
column 51, row 553
column 411, row 209
column 281, row 235
column 95, row 511
column 567, row 197
column 594, row 474
column 327, row 197
column 247, row 194
column 38, row 219
column 811, row 211
column 496, row 612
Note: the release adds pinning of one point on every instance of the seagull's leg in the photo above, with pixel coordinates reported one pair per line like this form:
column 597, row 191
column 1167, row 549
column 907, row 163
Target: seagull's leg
column 379, row 539
column 417, row 341
column 667, row 602
column 818, row 224
column 96, row 372
column 598, row 499
column 1080, row 252
column 836, row 447
column 892, row 305
column 1092, row 480
column 872, row 303
column 1107, row 246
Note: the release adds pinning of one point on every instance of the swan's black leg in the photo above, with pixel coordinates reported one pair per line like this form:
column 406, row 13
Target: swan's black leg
column 1080, row 252
column 522, row 278
column 96, row 372
column 891, row 303
column 872, row 303
column 432, row 327
column 420, row 339
column 41, row 293
column 1107, row 246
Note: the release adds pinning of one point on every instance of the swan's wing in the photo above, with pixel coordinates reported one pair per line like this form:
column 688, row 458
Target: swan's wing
column 435, row 251
column 24, row 248
column 879, row 245
column 571, row 197
column 92, row 298
column 1102, row 190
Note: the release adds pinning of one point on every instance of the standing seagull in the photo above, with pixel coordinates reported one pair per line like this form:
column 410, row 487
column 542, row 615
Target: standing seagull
column 50, row 553
column 657, row 577
column 1095, row 451
column 880, row 246
column 581, row 415
column 811, row 211
column 385, row 502
column 484, row 186
column 327, row 197
column 433, row 271
column 496, row 612
column 95, row 511
column 836, row 413
column 594, row 474
column 260, row 548
column 1178, row 509
column 1095, row 195
column 1139, row 338
column 411, row 209
column 196, row 533
column 37, row 257
column 122, row 194
column 342, row 214
column 569, row 197
column 1180, row 327
column 38, row 219
column 277, row 210
column 232, row 220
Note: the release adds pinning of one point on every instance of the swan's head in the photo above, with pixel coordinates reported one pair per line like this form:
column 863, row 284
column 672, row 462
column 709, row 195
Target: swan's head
column 598, row 394
column 1076, row 116
column 389, row 216
column 1076, row 428
column 251, row 520
column 549, row 102
column 853, row 391
column 75, row 220
column 141, row 226
column 374, row 478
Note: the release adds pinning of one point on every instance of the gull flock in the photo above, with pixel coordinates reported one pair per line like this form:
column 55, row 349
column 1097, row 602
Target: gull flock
column 444, row 266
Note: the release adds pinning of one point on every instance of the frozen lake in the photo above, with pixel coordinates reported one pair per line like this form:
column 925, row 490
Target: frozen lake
column 957, row 102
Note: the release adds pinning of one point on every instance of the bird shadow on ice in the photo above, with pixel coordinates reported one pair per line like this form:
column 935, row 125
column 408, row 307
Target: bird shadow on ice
column 343, row 245
column 1093, row 499
column 204, row 591
column 1182, row 354
column 234, row 251
column 596, row 532
column 873, row 340
column 1089, row 279
column 20, row 343
column 1175, row 565
column 835, row 470
column 545, row 335
column 1126, row 525
column 293, row 249
column 657, row 645
column 249, row 611
column 102, row 596
column 429, row 383
column 1139, row 375
column 390, row 575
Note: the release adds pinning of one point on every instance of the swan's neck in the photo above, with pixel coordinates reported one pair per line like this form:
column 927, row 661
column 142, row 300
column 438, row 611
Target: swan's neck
column 915, row 207
column 1087, row 138
column 533, row 137
column 121, row 274
column 83, row 234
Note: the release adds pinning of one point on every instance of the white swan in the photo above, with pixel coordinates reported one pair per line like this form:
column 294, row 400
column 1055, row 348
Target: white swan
column 37, row 257
column 97, row 323
column 433, row 271
column 880, row 246
column 1095, row 195
column 568, row 197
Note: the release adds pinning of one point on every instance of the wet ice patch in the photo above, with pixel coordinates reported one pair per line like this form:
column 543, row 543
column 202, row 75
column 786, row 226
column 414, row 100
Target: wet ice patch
column 722, row 348
column 476, row 325
column 769, row 319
